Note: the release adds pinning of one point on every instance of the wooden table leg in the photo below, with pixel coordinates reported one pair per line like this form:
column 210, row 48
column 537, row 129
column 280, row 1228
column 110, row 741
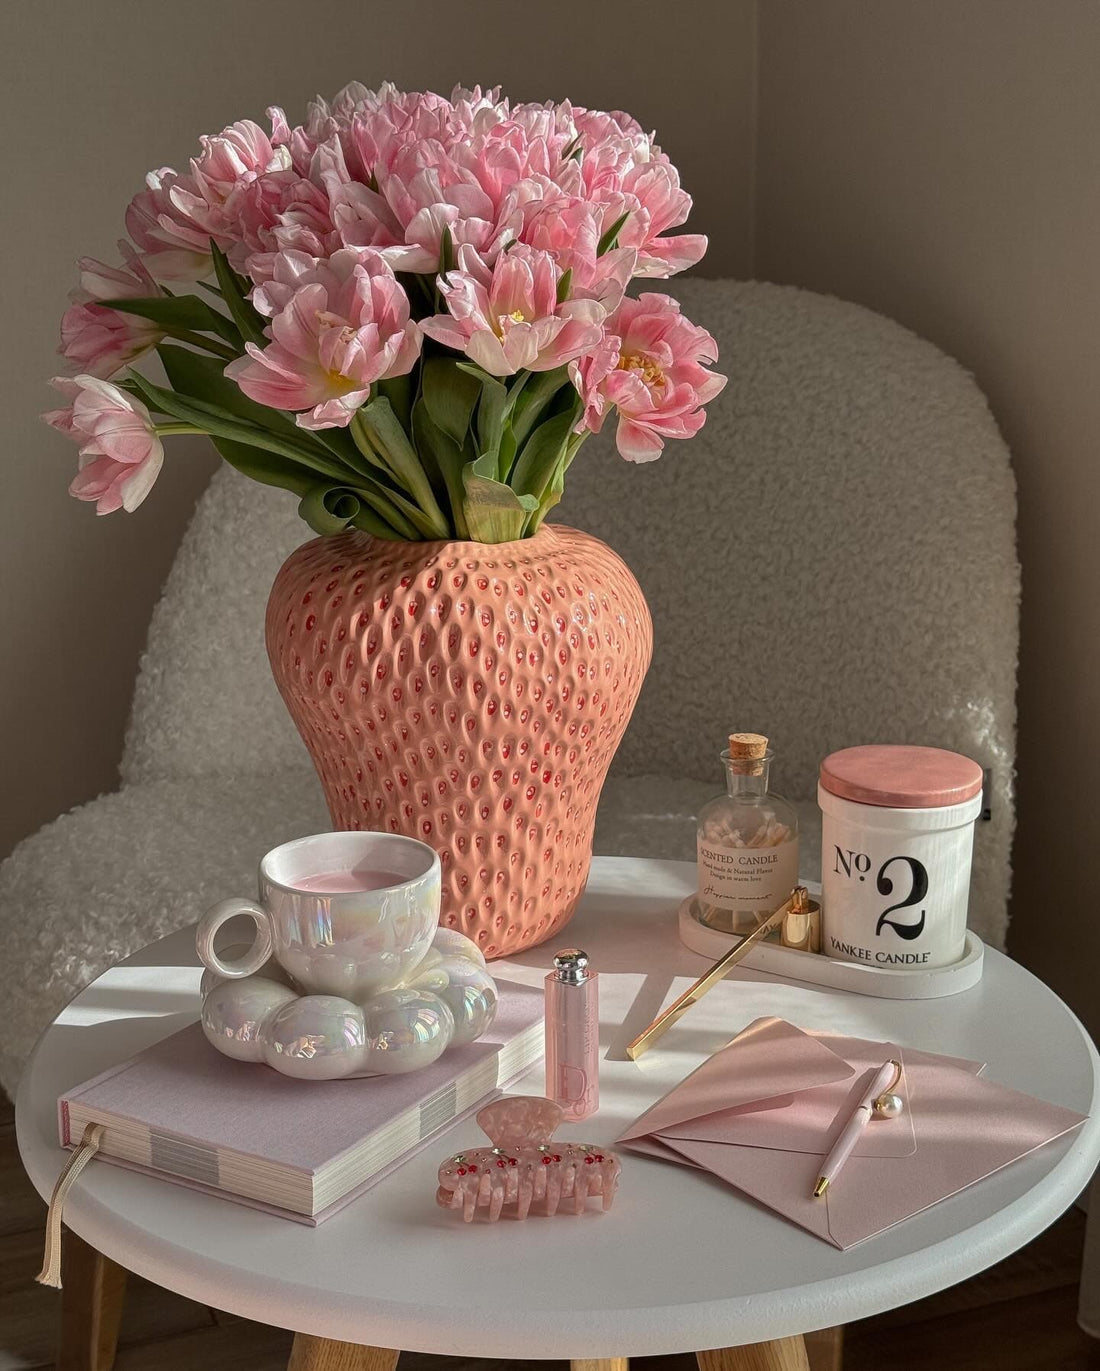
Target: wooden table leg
column 601, row 1364
column 323, row 1354
column 825, row 1349
column 784, row 1354
column 93, row 1289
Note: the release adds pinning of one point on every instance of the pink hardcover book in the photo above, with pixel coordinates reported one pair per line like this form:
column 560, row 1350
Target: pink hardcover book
column 300, row 1149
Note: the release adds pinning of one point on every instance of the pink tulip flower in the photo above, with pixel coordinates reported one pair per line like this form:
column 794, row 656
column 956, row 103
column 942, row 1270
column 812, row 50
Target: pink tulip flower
column 328, row 120
column 234, row 158
column 610, row 154
column 507, row 318
column 336, row 327
column 570, row 230
column 422, row 193
column 517, row 159
column 173, row 220
column 101, row 341
column 380, row 128
column 399, row 170
column 649, row 367
column 278, row 212
column 171, row 248
column 120, row 450
column 630, row 175
column 595, row 126
column 654, row 190
column 223, row 177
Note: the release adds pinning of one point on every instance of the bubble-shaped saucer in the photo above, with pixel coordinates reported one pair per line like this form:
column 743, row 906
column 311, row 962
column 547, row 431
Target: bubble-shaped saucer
column 447, row 1000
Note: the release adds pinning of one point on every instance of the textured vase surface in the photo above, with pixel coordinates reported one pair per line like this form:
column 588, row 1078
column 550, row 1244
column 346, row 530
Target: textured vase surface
column 470, row 695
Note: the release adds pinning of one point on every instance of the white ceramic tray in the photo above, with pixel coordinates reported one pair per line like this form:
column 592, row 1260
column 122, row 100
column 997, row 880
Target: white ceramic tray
column 888, row 983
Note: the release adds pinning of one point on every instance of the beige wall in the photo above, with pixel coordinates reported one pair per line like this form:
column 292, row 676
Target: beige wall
column 93, row 96
column 939, row 162
column 934, row 160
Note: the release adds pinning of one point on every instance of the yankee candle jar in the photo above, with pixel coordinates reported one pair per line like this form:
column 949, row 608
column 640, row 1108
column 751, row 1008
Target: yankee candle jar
column 897, row 832
column 747, row 843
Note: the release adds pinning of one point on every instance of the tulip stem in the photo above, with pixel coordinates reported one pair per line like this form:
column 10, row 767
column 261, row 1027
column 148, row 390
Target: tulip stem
column 167, row 430
column 187, row 335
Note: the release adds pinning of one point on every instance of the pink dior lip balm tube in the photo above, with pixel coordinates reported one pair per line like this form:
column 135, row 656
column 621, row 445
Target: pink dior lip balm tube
column 573, row 1035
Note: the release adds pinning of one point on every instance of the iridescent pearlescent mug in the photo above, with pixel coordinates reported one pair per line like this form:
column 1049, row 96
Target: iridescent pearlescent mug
column 347, row 914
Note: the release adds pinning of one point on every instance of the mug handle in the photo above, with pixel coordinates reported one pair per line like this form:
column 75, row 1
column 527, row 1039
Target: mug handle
column 257, row 954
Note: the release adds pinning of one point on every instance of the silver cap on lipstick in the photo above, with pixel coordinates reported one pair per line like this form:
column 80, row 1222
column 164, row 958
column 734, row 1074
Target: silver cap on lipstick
column 571, row 964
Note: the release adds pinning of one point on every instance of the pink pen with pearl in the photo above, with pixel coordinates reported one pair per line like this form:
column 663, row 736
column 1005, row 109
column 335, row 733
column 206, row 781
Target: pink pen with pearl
column 878, row 1099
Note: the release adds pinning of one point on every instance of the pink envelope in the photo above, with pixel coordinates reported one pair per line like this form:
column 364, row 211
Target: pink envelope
column 763, row 1112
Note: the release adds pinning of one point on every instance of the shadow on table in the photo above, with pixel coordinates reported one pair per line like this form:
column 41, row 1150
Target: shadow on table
column 135, row 1000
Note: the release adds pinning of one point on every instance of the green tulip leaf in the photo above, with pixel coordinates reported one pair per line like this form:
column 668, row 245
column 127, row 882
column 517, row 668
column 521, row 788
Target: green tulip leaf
column 332, row 509
column 490, row 416
column 450, row 395
column 472, row 369
column 269, row 468
column 448, row 458
column 369, row 522
column 494, row 512
column 550, row 497
column 246, row 316
column 538, row 396
column 446, row 251
column 376, row 429
column 221, row 423
column 400, row 392
column 542, row 454
column 180, row 312
column 610, row 237
column 329, row 509
column 203, row 378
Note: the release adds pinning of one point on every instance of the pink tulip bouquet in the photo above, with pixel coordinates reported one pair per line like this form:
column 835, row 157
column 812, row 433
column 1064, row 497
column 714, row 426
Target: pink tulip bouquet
column 410, row 311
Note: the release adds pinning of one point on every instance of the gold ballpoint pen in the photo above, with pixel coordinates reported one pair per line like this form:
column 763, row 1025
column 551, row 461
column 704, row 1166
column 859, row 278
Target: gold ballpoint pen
column 645, row 1040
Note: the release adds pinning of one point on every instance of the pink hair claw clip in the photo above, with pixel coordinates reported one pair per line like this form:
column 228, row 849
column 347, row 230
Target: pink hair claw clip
column 525, row 1167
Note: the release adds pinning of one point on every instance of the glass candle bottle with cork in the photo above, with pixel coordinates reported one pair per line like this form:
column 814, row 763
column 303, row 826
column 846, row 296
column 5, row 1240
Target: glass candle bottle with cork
column 747, row 842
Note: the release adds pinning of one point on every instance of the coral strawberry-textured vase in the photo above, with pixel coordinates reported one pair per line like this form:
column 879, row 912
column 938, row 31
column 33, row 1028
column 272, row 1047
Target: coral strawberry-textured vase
column 471, row 695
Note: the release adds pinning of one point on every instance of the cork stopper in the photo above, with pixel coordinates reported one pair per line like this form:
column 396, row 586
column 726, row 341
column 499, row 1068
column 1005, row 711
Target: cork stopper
column 747, row 752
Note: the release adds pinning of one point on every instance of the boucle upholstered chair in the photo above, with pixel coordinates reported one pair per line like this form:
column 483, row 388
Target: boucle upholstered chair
column 831, row 561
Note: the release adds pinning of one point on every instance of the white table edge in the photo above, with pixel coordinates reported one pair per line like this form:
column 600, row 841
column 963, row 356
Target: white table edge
column 589, row 1333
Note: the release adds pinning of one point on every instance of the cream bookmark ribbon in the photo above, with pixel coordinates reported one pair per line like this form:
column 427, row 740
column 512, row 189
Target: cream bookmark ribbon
column 51, row 1260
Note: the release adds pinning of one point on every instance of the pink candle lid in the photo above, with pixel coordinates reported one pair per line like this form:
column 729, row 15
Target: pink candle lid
column 901, row 777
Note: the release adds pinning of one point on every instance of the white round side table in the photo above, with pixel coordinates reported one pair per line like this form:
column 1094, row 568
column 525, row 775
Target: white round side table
column 682, row 1263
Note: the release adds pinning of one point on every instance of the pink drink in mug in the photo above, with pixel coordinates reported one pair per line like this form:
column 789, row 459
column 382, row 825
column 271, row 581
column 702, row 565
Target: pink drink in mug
column 344, row 882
